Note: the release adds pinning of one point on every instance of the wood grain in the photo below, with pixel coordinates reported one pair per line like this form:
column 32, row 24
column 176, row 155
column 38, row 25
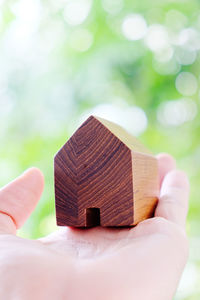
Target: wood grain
column 145, row 186
column 104, row 176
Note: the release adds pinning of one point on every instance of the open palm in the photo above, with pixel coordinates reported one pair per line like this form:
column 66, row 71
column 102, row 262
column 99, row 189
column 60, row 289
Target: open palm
column 144, row 262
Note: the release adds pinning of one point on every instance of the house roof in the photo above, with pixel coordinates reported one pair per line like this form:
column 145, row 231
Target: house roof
column 124, row 136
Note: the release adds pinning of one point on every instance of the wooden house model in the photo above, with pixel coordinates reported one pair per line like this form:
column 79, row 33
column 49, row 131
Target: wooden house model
column 104, row 176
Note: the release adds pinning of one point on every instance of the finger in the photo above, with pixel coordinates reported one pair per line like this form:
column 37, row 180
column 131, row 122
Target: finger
column 19, row 198
column 166, row 163
column 173, row 203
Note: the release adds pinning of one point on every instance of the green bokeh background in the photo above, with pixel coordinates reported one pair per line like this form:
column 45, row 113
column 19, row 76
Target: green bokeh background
column 135, row 62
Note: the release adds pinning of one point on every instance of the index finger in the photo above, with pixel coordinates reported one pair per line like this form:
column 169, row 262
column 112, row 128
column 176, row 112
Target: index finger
column 18, row 199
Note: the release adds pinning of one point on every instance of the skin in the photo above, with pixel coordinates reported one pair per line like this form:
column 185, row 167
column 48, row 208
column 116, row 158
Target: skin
column 144, row 262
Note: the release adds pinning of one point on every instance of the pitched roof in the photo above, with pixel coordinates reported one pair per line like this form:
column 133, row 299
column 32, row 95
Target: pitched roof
column 124, row 136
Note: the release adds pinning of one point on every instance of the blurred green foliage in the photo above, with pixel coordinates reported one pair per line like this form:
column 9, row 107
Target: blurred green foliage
column 134, row 62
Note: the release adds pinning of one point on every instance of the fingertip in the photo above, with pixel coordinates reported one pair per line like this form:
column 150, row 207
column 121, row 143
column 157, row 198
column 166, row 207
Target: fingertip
column 177, row 179
column 35, row 177
column 174, row 196
column 166, row 163
column 19, row 198
column 35, row 172
column 167, row 160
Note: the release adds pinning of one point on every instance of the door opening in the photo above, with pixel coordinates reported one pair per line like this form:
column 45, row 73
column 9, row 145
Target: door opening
column 92, row 216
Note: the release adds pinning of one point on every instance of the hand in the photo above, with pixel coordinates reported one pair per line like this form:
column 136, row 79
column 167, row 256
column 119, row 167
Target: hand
column 140, row 263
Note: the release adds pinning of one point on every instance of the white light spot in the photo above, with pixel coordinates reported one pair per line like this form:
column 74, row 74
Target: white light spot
column 157, row 38
column 176, row 112
column 175, row 20
column 112, row 6
column 28, row 15
column 132, row 118
column 186, row 84
column 190, row 38
column 134, row 27
column 165, row 54
column 185, row 56
column 76, row 11
column 166, row 67
column 81, row 40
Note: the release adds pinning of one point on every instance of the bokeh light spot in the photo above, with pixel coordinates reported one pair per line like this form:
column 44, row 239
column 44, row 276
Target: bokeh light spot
column 176, row 112
column 190, row 38
column 132, row 118
column 175, row 20
column 112, row 6
column 186, row 84
column 164, row 54
column 76, row 11
column 166, row 67
column 185, row 56
column 134, row 27
column 157, row 38
column 28, row 15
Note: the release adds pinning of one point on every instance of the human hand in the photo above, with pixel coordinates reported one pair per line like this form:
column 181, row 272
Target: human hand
column 144, row 262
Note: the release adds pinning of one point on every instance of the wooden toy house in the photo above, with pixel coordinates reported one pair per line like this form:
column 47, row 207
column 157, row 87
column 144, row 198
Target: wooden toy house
column 104, row 176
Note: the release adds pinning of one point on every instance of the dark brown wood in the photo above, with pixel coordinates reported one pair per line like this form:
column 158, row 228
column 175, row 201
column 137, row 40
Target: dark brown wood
column 104, row 176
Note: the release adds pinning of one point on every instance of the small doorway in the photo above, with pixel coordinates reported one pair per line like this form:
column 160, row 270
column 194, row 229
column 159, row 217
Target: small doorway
column 92, row 216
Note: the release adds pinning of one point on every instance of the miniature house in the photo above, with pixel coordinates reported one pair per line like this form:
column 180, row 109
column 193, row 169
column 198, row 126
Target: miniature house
column 104, row 176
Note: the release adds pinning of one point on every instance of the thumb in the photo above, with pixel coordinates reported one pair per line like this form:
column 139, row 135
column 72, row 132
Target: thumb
column 173, row 203
column 19, row 198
